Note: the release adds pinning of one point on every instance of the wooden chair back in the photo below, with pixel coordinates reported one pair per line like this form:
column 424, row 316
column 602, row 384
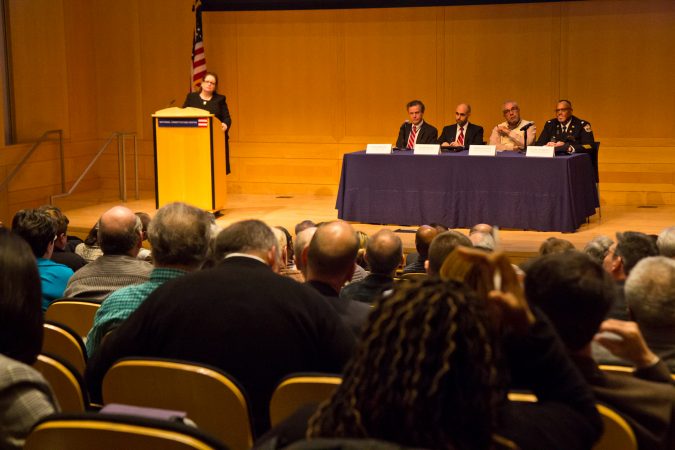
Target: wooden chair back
column 78, row 314
column 66, row 383
column 211, row 398
column 114, row 432
column 298, row 390
column 60, row 340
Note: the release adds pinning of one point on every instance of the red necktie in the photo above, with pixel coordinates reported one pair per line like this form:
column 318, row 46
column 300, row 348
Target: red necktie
column 411, row 138
column 460, row 138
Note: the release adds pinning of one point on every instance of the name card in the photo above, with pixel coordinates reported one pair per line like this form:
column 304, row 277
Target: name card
column 427, row 149
column 540, row 151
column 482, row 150
column 378, row 149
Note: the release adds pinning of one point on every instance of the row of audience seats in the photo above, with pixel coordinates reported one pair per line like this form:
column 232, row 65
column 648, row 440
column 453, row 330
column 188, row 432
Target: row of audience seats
column 216, row 403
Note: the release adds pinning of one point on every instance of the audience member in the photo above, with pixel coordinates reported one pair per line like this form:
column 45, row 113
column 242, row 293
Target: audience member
column 239, row 316
column 331, row 257
column 62, row 253
column 25, row 396
column 598, row 247
column 90, row 250
column 363, row 243
column 290, row 259
column 650, row 296
column 666, row 242
column 384, row 253
column 629, row 248
column 426, row 375
column 303, row 226
column 576, row 294
column 119, row 235
column 302, row 241
column 38, row 228
column 442, row 245
column 423, row 237
column 144, row 253
column 283, row 245
column 555, row 245
column 482, row 241
column 180, row 236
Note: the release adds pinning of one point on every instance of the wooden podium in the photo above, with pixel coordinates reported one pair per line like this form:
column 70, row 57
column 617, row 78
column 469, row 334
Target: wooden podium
column 189, row 149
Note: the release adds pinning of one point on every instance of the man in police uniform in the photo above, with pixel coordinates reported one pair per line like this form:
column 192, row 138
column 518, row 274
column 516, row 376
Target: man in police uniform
column 567, row 133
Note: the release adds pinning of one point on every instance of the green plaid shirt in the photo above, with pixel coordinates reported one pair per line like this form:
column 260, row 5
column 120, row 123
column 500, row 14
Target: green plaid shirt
column 120, row 304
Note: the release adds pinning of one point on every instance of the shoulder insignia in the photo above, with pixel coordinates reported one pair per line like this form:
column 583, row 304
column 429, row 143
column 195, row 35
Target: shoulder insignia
column 587, row 127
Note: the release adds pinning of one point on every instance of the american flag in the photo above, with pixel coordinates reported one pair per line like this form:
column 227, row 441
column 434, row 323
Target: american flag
column 198, row 56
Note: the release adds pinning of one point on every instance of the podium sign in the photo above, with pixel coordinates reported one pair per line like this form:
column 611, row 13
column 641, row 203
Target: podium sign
column 189, row 147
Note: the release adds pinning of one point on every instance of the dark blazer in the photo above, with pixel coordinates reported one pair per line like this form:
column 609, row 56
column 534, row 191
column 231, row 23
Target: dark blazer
column 353, row 314
column 473, row 135
column 426, row 135
column 239, row 317
column 578, row 135
column 218, row 107
column 368, row 289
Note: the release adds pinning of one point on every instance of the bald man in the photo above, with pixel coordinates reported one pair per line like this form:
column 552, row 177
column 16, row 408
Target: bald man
column 329, row 264
column 384, row 254
column 120, row 234
column 423, row 237
column 462, row 134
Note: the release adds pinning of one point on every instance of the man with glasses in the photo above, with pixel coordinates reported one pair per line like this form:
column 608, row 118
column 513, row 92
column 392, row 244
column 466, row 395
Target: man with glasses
column 509, row 135
column 567, row 133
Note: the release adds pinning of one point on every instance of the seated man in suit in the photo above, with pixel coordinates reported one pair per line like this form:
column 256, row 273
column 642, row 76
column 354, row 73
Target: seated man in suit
column 508, row 135
column 575, row 293
column 384, row 253
column 567, row 133
column 416, row 130
column 463, row 133
column 329, row 261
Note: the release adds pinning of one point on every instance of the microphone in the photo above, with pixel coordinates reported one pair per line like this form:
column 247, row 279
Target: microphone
column 526, row 126
column 171, row 103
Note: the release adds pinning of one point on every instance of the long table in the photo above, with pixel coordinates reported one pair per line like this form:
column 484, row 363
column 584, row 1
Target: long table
column 459, row 191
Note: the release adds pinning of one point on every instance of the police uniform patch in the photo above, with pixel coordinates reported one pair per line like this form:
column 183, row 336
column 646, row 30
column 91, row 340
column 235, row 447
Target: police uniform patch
column 587, row 127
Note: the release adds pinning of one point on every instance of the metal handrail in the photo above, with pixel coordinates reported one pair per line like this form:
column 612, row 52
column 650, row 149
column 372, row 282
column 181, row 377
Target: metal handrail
column 121, row 152
column 28, row 154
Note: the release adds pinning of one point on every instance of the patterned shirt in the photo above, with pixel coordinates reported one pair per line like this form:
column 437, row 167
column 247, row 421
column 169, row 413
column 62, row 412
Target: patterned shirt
column 121, row 303
column 108, row 273
column 25, row 398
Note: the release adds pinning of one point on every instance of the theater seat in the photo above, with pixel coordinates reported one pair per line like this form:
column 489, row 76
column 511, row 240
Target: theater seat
column 298, row 390
column 78, row 314
column 210, row 397
column 114, row 432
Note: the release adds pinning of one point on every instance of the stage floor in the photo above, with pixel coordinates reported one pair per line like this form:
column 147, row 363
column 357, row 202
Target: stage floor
column 289, row 210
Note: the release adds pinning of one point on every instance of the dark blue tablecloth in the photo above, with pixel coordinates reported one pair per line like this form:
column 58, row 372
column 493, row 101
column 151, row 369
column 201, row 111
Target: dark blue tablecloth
column 458, row 190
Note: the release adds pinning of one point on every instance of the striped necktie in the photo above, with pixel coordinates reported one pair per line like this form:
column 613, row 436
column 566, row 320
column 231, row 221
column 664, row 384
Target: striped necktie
column 460, row 138
column 411, row 138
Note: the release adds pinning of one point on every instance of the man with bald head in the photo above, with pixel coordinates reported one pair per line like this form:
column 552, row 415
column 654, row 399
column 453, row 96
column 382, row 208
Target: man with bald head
column 120, row 235
column 462, row 134
column 423, row 237
column 384, row 254
column 567, row 133
column 330, row 260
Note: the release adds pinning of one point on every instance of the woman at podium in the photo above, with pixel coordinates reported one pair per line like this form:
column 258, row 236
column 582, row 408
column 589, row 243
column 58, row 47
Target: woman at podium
column 210, row 100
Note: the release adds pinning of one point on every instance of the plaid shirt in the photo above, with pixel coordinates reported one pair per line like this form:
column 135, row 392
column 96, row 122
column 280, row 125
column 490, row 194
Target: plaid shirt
column 121, row 303
column 25, row 398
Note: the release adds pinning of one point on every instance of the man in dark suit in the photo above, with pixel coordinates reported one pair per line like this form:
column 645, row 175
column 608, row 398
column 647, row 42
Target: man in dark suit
column 239, row 316
column 461, row 134
column 576, row 293
column 416, row 130
column 329, row 262
column 567, row 133
column 384, row 253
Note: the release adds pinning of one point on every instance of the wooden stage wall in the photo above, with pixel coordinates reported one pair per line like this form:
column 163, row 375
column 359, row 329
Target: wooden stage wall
column 305, row 87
